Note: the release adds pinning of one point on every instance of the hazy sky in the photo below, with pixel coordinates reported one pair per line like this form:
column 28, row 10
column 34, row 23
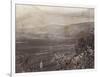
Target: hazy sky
column 22, row 10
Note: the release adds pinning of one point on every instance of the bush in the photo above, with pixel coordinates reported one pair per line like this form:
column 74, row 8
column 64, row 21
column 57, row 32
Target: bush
column 85, row 44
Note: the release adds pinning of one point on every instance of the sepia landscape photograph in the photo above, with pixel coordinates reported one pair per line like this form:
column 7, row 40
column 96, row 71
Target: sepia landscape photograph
column 53, row 38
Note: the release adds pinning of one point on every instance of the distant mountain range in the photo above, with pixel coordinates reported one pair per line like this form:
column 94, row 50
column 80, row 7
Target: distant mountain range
column 58, row 32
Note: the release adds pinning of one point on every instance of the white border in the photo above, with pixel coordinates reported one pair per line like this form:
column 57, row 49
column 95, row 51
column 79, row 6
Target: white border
column 54, row 3
column 13, row 39
column 69, row 73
